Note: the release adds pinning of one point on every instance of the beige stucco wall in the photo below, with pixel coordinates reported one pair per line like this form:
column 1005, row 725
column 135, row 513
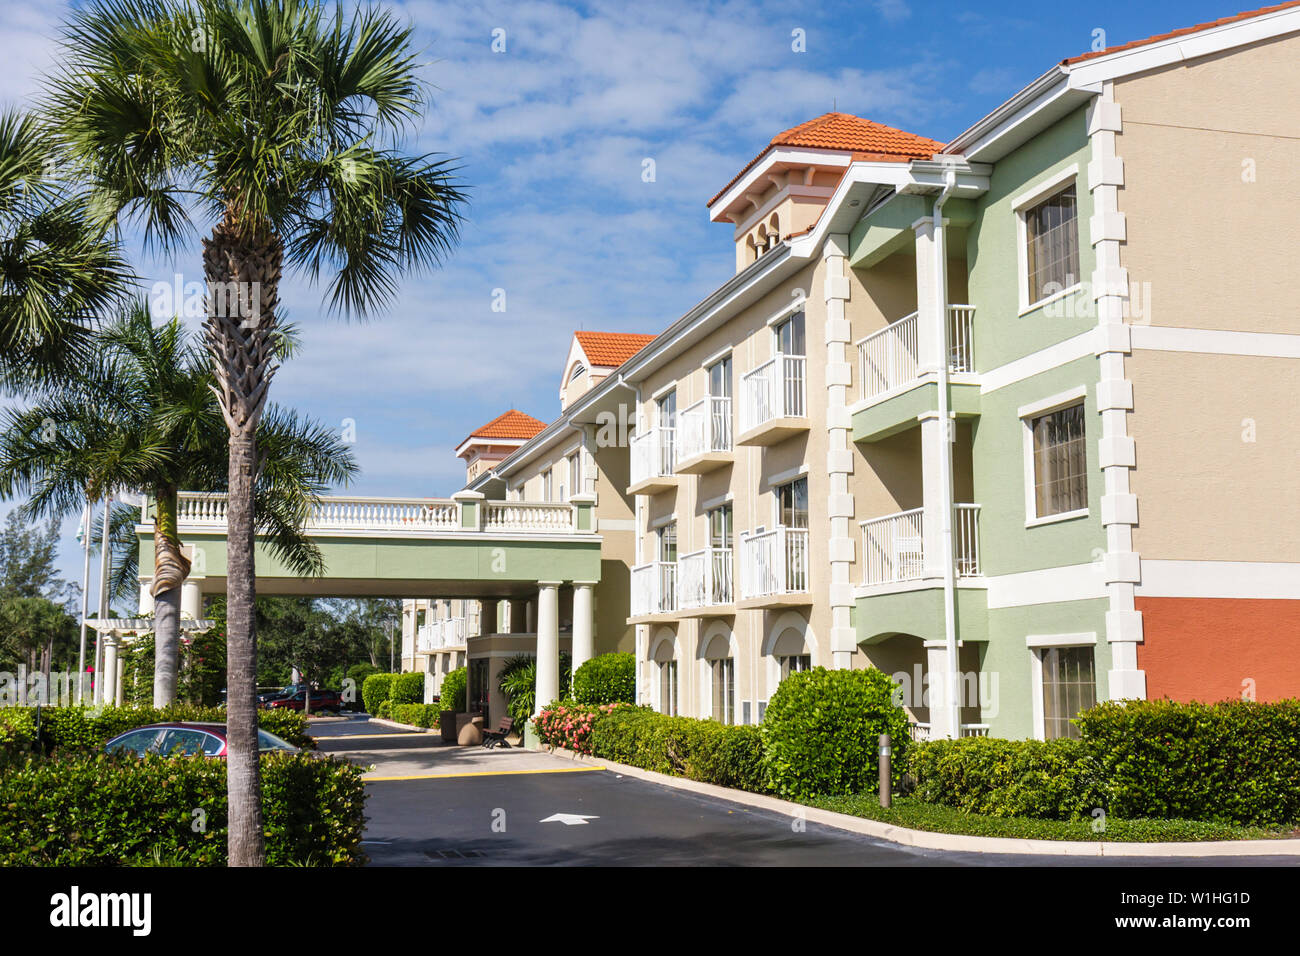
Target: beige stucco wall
column 1215, row 434
column 1217, row 250
column 1217, row 453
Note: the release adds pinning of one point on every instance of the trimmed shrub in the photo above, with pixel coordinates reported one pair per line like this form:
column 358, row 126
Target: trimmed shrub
column 407, row 688
column 417, row 715
column 385, row 710
column 1236, row 761
column 374, row 691
column 820, row 731
column 454, row 685
column 606, row 679
column 704, row 750
column 97, row 810
column 83, row 730
column 1047, row 779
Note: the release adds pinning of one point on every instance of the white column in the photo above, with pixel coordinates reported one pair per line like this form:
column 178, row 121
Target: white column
column 530, row 617
column 548, row 644
column 146, row 597
column 117, row 682
column 839, row 454
column 938, row 670
column 1116, row 450
column 110, row 669
column 583, row 623
column 191, row 599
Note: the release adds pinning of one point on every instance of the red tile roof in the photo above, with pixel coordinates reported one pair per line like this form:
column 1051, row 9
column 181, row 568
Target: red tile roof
column 512, row 425
column 1183, row 32
column 867, row 140
column 611, row 349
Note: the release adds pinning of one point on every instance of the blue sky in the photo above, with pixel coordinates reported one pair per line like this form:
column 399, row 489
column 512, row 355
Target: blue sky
column 552, row 134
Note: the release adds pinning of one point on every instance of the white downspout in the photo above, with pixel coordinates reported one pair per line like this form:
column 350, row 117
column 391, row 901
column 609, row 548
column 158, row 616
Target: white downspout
column 945, row 458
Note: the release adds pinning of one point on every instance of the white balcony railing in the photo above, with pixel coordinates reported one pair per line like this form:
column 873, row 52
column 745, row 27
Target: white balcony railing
column 435, row 635
column 774, row 562
column 888, row 359
column 654, row 588
column 539, row 517
column 704, row 427
column 893, row 546
column 921, row 731
column 776, row 389
column 651, row 454
column 961, row 326
column 208, row 510
column 704, row 578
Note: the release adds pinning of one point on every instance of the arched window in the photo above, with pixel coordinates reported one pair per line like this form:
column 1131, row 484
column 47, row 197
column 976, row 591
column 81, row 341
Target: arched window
column 791, row 653
column 722, row 673
column 666, row 666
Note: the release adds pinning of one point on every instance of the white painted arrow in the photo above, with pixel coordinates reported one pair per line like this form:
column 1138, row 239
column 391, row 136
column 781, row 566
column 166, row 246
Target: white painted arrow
column 569, row 819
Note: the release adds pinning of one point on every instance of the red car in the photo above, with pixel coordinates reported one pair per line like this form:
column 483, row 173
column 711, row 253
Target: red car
column 187, row 740
column 322, row 701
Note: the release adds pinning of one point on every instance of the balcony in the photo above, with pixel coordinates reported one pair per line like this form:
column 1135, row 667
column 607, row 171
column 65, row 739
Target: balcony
column 893, row 546
column 654, row 589
column 704, row 436
column 774, row 401
column 650, row 468
column 437, row 635
column 888, row 359
column 921, row 731
column 774, row 568
column 704, row 581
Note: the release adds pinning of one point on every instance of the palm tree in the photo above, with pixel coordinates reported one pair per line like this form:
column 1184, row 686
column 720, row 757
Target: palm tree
column 280, row 120
column 143, row 415
column 56, row 272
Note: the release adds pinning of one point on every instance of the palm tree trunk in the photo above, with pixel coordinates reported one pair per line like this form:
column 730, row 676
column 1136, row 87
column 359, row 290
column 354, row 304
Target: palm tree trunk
column 245, row 264
column 170, row 568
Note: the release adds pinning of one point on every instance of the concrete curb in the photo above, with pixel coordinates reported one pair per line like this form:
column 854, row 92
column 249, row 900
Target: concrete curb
column 409, row 727
column 927, row 840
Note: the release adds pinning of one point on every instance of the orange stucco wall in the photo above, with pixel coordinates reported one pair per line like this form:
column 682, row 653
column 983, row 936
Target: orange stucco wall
column 1207, row 648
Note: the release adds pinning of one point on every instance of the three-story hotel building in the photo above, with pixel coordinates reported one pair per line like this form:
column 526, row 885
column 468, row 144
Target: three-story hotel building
column 1009, row 417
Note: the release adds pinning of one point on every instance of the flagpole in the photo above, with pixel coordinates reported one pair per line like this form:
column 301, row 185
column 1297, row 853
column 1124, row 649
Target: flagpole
column 103, row 603
column 87, row 514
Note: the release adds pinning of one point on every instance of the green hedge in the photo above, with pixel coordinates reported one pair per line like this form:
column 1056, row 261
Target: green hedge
column 407, row 688
column 96, row 810
column 1232, row 762
column 453, row 691
column 821, row 728
column 704, row 750
column 374, row 691
column 417, row 715
column 83, row 730
column 1048, row 779
column 606, row 679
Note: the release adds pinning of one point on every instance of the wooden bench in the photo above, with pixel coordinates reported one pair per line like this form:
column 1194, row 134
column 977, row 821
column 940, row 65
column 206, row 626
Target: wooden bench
column 493, row 738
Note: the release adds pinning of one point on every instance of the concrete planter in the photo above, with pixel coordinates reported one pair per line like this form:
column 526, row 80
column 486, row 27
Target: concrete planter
column 448, row 725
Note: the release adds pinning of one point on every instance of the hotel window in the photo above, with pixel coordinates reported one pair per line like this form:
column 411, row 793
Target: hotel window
column 792, row 504
column 720, row 378
column 668, row 688
column 1069, row 686
column 720, row 527
column 547, row 485
column 724, row 690
column 1052, row 245
column 575, row 473
column 668, row 544
column 1060, row 464
column 790, row 336
column 794, row 663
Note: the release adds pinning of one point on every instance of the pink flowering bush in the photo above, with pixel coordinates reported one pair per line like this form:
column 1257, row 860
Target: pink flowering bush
column 568, row 725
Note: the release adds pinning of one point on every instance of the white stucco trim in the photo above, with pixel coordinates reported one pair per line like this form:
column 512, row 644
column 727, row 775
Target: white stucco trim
column 1262, row 580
